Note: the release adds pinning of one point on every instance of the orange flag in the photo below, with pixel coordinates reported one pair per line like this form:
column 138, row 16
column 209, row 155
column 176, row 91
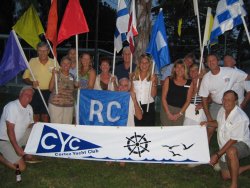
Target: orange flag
column 73, row 21
column 51, row 32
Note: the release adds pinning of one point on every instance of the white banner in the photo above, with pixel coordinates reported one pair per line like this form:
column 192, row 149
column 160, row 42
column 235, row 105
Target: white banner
column 180, row 144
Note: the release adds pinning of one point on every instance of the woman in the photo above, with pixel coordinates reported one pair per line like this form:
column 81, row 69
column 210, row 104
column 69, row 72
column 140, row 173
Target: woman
column 105, row 81
column 61, row 105
column 176, row 95
column 142, row 81
column 194, row 113
column 87, row 74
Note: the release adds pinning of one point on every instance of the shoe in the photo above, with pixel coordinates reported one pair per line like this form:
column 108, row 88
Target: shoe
column 217, row 167
column 31, row 160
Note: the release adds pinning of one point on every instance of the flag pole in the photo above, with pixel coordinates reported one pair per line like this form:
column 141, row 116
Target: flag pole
column 196, row 11
column 113, row 68
column 28, row 66
column 77, row 79
column 131, row 62
column 55, row 60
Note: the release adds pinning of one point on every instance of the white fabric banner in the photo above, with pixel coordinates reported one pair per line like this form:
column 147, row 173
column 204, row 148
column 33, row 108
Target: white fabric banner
column 180, row 144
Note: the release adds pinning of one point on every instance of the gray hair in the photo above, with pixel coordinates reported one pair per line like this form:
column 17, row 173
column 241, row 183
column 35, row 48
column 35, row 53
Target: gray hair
column 125, row 79
column 26, row 88
column 42, row 44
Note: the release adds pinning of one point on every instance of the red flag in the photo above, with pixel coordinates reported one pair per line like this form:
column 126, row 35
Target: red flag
column 73, row 21
column 132, row 30
column 51, row 32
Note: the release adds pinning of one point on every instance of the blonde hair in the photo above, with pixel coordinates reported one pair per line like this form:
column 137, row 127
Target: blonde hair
column 90, row 63
column 137, row 70
column 179, row 62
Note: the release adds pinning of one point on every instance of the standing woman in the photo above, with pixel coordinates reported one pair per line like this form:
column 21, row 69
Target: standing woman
column 176, row 95
column 141, row 86
column 87, row 74
column 61, row 105
column 105, row 80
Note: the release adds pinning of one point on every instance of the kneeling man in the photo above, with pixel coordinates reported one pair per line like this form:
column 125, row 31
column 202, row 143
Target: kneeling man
column 233, row 138
column 15, row 126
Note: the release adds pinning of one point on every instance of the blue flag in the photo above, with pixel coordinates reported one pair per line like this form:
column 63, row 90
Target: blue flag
column 12, row 62
column 97, row 107
column 158, row 45
column 228, row 15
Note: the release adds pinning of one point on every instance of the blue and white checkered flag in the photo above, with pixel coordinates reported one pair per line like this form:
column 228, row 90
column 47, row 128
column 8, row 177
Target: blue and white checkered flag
column 228, row 15
column 121, row 25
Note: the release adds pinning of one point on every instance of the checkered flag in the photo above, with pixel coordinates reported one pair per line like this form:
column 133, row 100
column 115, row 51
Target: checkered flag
column 228, row 15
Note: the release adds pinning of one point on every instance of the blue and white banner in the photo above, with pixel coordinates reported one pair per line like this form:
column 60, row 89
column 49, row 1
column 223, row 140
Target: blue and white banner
column 97, row 107
column 180, row 144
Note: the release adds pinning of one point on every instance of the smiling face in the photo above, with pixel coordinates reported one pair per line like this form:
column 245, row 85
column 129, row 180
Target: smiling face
column 65, row 65
column 179, row 70
column 126, row 55
column 212, row 63
column 85, row 60
column 144, row 65
column 193, row 72
column 105, row 67
column 124, row 85
column 229, row 61
column 229, row 101
column 72, row 54
column 25, row 97
column 43, row 53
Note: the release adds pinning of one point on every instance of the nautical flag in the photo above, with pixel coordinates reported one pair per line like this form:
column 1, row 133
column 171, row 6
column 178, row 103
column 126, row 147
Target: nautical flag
column 132, row 30
column 12, row 61
column 29, row 27
column 51, row 32
column 97, row 107
column 208, row 26
column 228, row 15
column 121, row 29
column 158, row 46
column 73, row 21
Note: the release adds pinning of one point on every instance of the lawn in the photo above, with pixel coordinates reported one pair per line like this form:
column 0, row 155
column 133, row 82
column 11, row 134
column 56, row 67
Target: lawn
column 55, row 172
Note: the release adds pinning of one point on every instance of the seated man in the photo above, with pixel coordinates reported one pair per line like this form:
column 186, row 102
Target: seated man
column 134, row 110
column 233, row 138
column 15, row 126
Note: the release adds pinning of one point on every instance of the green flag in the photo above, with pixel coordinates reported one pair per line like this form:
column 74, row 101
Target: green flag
column 29, row 27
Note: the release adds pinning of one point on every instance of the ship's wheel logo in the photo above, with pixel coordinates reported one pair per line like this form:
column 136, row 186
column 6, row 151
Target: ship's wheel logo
column 137, row 144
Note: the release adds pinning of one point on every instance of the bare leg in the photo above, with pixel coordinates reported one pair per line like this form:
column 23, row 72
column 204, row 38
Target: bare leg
column 210, row 132
column 233, row 164
column 21, row 163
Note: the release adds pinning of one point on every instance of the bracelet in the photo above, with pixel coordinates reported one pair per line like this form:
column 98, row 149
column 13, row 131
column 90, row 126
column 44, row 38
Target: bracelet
column 218, row 155
column 181, row 113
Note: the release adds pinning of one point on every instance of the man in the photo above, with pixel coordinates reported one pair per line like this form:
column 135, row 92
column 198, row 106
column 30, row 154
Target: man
column 233, row 138
column 41, row 67
column 123, row 70
column 189, row 59
column 72, row 56
column 240, row 87
column 15, row 126
column 214, row 84
column 134, row 108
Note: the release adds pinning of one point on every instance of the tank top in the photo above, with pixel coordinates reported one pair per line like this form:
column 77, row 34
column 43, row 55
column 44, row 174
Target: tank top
column 84, row 80
column 177, row 95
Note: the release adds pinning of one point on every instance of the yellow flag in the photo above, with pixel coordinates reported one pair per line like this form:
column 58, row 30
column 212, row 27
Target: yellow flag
column 208, row 26
column 29, row 27
column 179, row 26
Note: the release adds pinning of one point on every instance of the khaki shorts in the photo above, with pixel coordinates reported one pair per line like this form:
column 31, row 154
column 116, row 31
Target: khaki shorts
column 7, row 150
column 243, row 151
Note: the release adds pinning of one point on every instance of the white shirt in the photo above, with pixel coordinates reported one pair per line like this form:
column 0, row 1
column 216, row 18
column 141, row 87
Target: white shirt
column 235, row 127
column 142, row 90
column 217, row 84
column 131, row 114
column 21, row 117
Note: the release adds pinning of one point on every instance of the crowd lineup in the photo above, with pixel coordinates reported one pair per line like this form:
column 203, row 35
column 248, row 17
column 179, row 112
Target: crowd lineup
column 214, row 97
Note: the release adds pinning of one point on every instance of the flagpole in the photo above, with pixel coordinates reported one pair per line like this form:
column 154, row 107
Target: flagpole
column 113, row 68
column 150, row 85
column 196, row 11
column 77, row 79
column 131, row 62
column 27, row 64
column 55, row 60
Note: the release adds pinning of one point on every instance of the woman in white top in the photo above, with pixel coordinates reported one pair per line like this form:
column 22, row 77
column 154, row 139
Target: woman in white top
column 142, row 80
column 105, row 80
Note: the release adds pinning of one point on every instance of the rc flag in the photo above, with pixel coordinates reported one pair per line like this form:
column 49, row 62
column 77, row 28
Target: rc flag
column 228, row 15
column 73, row 21
column 97, row 107
column 122, row 21
column 12, row 62
column 29, row 27
column 158, row 46
column 51, row 32
column 132, row 30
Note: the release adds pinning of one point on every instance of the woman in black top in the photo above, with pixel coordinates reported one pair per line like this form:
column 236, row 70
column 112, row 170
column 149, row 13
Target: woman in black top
column 176, row 95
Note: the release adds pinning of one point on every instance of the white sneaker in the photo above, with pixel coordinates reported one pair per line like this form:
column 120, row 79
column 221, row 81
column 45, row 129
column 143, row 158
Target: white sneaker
column 217, row 167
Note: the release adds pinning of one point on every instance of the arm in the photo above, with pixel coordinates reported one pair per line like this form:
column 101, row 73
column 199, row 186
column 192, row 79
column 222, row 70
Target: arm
column 205, row 108
column 52, row 80
column 215, row 157
column 92, row 77
column 138, row 111
column 245, row 101
column 12, row 137
column 154, row 85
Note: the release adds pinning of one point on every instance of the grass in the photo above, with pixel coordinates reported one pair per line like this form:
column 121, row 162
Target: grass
column 56, row 172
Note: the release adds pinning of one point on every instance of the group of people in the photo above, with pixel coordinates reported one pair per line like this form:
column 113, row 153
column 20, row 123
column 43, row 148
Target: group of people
column 190, row 96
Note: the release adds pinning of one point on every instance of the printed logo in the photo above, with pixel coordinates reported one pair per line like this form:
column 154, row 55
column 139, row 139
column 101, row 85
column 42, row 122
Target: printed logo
column 53, row 140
